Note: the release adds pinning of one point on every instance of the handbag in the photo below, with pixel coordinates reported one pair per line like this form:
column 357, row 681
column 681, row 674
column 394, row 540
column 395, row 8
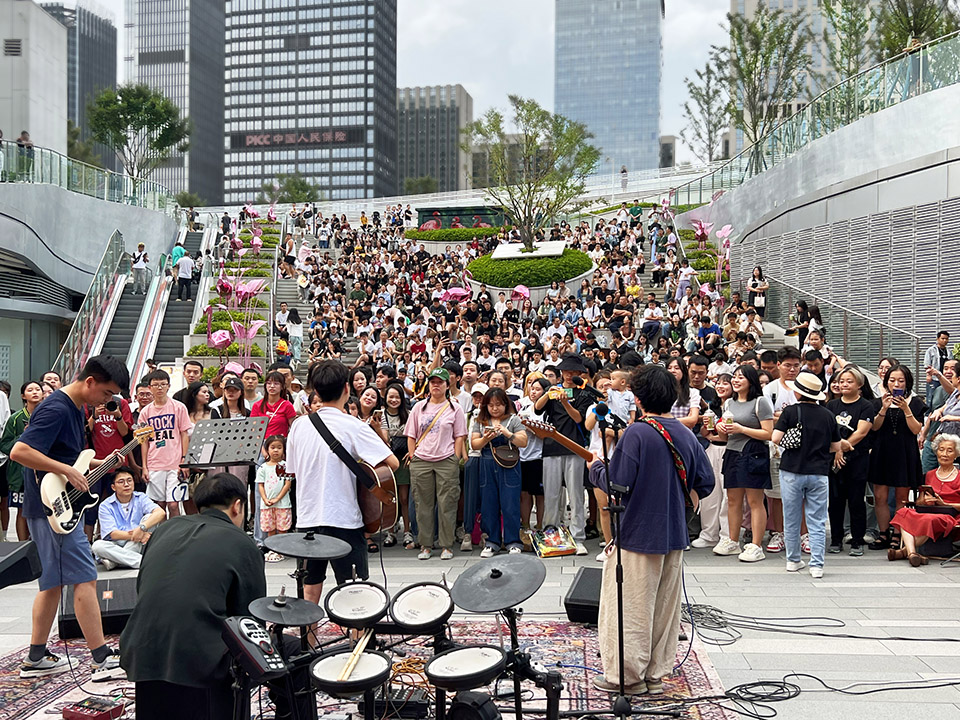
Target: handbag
column 792, row 437
column 759, row 300
column 506, row 456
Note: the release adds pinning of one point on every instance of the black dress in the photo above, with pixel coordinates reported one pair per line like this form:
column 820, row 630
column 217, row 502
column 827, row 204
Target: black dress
column 895, row 459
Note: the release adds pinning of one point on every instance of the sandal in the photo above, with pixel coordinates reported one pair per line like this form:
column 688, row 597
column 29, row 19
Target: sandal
column 372, row 546
column 390, row 540
column 894, row 554
column 883, row 540
column 916, row 560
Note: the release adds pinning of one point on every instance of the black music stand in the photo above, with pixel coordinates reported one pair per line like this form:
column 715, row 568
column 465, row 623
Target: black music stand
column 218, row 443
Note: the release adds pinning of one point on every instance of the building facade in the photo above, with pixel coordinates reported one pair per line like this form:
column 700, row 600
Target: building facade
column 311, row 89
column 91, row 64
column 430, row 123
column 33, row 75
column 607, row 76
column 180, row 52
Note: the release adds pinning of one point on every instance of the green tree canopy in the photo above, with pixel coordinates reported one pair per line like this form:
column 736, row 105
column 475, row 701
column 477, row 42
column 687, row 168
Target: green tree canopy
column 706, row 112
column 79, row 149
column 293, row 188
column 901, row 24
column 846, row 35
column 142, row 125
column 538, row 173
column 186, row 199
column 419, row 185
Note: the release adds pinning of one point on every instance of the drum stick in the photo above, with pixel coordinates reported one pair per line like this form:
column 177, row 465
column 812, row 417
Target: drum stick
column 355, row 656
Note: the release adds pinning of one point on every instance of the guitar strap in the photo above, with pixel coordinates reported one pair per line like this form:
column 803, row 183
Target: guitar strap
column 677, row 458
column 341, row 452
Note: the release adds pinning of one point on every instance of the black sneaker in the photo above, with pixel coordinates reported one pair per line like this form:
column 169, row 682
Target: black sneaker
column 856, row 550
column 834, row 549
column 49, row 664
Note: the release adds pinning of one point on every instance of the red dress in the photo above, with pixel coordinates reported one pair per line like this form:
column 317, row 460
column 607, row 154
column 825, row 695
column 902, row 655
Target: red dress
column 930, row 524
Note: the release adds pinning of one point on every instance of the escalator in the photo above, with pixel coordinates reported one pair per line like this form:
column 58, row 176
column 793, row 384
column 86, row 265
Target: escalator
column 176, row 320
column 124, row 325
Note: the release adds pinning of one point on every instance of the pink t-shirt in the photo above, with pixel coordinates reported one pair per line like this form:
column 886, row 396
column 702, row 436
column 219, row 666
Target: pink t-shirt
column 440, row 442
column 169, row 420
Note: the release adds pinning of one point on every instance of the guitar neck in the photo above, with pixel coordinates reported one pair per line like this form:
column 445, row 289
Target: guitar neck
column 545, row 431
column 109, row 464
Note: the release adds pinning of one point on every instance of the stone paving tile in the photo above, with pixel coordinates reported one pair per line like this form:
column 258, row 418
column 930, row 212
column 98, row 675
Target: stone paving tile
column 769, row 665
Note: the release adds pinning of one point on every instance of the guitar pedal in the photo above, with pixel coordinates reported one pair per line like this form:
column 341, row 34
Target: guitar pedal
column 250, row 644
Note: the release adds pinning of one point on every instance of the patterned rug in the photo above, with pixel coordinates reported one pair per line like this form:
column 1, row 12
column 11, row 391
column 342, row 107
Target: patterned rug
column 570, row 647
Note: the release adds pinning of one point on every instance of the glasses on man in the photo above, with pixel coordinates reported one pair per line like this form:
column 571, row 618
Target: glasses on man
column 159, row 385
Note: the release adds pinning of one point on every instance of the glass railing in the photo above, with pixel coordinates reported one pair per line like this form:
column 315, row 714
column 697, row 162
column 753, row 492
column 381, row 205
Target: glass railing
column 151, row 318
column 36, row 164
column 929, row 67
column 853, row 336
column 93, row 312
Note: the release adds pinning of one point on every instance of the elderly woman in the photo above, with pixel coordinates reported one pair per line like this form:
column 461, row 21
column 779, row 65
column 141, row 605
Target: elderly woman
column 942, row 490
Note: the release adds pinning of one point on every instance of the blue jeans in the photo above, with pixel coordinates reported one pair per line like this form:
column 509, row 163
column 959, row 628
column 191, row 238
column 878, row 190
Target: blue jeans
column 809, row 492
column 499, row 497
column 471, row 493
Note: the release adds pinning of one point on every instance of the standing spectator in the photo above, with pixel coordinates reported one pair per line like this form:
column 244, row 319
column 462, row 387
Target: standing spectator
column 757, row 296
column 185, row 267
column 31, row 393
column 126, row 520
column 294, row 328
column 395, row 416
column 139, row 261
column 191, row 219
column 804, row 470
column 435, row 445
column 168, row 449
column 933, row 359
column 273, row 488
column 108, row 429
column 25, row 154
column 531, row 455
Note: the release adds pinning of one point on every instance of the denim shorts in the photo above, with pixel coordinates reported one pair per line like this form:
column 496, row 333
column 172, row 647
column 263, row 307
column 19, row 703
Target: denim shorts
column 64, row 559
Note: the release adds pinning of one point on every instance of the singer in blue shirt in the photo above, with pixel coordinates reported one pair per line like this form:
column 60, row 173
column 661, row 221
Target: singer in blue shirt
column 653, row 535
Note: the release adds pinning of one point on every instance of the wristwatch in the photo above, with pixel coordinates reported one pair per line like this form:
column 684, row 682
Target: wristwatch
column 143, row 527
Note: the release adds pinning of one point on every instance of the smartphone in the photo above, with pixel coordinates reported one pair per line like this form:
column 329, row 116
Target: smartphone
column 569, row 392
column 898, row 392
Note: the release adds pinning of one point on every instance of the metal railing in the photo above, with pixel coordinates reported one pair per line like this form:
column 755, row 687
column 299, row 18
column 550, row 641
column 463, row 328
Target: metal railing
column 93, row 312
column 913, row 73
column 34, row 164
column 853, row 336
column 151, row 318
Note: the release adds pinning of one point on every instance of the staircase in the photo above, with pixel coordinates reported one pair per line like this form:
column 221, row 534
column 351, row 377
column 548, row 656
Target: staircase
column 124, row 324
column 176, row 321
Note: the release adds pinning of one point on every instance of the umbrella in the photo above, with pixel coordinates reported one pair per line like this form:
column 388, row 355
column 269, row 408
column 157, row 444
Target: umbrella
column 520, row 291
column 454, row 294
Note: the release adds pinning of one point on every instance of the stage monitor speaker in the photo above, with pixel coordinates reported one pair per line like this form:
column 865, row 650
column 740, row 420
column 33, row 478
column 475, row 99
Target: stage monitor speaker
column 19, row 562
column 582, row 600
column 116, row 596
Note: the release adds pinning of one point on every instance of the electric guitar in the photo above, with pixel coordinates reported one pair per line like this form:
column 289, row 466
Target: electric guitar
column 545, row 430
column 65, row 504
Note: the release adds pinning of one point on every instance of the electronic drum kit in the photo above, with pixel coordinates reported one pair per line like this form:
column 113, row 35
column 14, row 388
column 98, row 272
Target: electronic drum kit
column 345, row 668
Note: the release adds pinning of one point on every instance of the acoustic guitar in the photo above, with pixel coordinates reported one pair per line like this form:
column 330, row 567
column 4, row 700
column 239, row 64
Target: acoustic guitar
column 377, row 497
column 545, row 430
column 65, row 504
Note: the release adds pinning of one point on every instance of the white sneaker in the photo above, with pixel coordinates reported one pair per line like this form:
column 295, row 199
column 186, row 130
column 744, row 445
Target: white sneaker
column 446, row 554
column 701, row 543
column 488, row 552
column 515, row 550
column 726, row 546
column 581, row 549
column 466, row 545
column 109, row 669
column 816, row 572
column 108, row 564
column 776, row 543
column 424, row 554
column 795, row 566
column 805, row 543
column 602, row 556
column 751, row 553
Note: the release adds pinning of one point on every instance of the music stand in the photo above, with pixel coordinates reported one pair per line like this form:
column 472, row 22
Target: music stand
column 218, row 443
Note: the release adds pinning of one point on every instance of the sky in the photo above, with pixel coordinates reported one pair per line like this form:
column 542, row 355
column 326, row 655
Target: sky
column 502, row 47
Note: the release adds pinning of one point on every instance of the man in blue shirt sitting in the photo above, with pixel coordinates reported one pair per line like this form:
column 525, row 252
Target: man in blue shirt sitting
column 709, row 332
column 126, row 520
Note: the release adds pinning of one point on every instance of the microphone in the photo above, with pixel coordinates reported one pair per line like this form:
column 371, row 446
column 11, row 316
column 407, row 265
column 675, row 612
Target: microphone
column 590, row 389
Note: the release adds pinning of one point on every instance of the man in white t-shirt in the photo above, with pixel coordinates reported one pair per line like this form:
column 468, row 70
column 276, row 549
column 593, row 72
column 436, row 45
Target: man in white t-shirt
column 184, row 276
column 139, row 262
column 326, row 489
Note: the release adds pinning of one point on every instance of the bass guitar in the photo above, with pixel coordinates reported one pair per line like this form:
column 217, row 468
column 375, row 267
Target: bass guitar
column 545, row 430
column 65, row 504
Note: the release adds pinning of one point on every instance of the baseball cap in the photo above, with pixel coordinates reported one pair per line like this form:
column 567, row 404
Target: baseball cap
column 479, row 388
column 233, row 382
column 439, row 373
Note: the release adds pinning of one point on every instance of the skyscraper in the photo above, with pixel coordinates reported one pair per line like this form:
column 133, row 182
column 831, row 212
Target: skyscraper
column 91, row 64
column 429, row 125
column 179, row 51
column 311, row 88
column 607, row 76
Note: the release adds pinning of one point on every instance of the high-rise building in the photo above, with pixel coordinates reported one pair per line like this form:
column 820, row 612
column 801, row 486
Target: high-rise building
column 180, row 52
column 91, row 64
column 33, row 75
column 430, row 121
column 607, row 76
column 311, row 88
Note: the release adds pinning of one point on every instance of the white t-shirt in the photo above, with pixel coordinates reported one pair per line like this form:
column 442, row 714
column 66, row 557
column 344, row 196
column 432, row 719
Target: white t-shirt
column 326, row 489
column 185, row 267
column 779, row 395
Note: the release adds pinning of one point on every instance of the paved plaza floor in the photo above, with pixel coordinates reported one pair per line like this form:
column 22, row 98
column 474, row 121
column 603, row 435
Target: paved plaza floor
column 874, row 597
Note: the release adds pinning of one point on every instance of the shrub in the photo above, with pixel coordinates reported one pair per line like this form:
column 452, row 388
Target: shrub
column 687, row 235
column 704, row 262
column 209, row 373
column 201, row 327
column 232, row 349
column 451, row 235
column 711, row 277
column 532, row 271
column 252, row 302
column 258, row 273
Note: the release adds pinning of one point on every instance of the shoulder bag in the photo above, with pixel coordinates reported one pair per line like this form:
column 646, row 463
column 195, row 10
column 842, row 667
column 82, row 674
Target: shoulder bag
column 792, row 437
column 506, row 456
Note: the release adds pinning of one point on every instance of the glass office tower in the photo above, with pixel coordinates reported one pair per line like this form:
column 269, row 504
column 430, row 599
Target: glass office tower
column 311, row 88
column 607, row 76
column 430, row 123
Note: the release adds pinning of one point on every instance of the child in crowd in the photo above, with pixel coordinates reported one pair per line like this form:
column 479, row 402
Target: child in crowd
column 620, row 398
column 276, row 513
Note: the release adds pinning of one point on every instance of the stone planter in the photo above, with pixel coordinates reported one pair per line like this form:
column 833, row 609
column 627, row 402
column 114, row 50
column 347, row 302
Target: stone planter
column 190, row 341
column 537, row 293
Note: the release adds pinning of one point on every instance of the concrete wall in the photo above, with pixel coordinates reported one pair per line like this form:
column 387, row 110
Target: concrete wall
column 62, row 235
column 33, row 86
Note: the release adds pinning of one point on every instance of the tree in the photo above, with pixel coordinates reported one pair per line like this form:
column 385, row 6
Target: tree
column 539, row 172
column 186, row 199
column 765, row 67
column 141, row 125
column 292, row 188
column 846, row 37
column 420, row 185
column 79, row 149
column 705, row 112
column 902, row 24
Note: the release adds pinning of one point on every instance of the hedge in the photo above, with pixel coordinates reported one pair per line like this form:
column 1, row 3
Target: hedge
column 201, row 327
column 451, row 235
column 252, row 302
column 614, row 208
column 711, row 277
column 532, row 271
column 232, row 349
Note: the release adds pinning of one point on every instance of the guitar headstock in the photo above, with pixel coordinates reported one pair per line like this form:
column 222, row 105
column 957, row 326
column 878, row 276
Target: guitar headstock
column 142, row 433
column 540, row 429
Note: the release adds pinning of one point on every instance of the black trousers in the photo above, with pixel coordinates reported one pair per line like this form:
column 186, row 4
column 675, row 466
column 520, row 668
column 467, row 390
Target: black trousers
column 183, row 285
column 848, row 487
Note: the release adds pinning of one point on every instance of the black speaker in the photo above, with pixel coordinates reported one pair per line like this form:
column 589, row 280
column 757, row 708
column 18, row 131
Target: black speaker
column 19, row 563
column 582, row 600
column 116, row 596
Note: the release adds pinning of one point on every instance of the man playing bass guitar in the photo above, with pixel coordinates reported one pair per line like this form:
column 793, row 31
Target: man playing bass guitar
column 326, row 488
column 51, row 443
